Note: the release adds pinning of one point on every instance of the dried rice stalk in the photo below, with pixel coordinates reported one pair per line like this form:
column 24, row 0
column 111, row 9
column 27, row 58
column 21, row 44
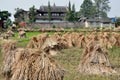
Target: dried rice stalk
column 22, row 34
column 74, row 38
column 115, row 39
column 57, row 36
column 33, row 43
column 29, row 64
column 38, row 41
column 10, row 33
column 81, row 42
column 61, row 41
column 36, row 66
column 44, row 42
column 95, row 60
column 67, row 37
column 8, row 47
column 4, row 36
column 105, row 40
column 50, row 46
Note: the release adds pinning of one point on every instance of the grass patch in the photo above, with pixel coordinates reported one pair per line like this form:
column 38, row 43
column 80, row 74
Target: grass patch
column 70, row 59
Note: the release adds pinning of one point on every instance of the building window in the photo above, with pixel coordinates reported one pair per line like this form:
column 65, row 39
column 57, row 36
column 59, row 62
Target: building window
column 45, row 14
column 62, row 14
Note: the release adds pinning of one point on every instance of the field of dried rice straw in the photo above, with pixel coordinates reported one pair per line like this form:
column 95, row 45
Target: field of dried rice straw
column 60, row 56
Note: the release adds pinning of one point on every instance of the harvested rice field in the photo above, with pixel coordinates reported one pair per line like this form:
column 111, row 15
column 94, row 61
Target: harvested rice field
column 72, row 51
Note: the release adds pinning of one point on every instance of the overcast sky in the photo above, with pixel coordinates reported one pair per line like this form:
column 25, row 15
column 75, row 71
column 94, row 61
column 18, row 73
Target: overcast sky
column 10, row 5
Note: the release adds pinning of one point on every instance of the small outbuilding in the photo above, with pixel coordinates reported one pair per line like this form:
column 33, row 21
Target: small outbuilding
column 96, row 22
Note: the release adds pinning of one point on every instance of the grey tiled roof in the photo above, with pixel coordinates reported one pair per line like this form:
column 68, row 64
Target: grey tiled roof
column 99, row 20
column 53, row 9
column 95, row 19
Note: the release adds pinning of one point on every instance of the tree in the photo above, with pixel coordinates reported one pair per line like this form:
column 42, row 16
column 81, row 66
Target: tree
column 118, row 21
column 102, row 7
column 70, row 16
column 17, row 13
column 69, row 7
column 49, row 11
column 20, row 15
column 87, row 9
column 4, row 15
column 8, row 22
column 32, row 13
column 73, row 12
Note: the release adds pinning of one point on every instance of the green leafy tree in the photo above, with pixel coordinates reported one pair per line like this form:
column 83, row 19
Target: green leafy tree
column 18, row 12
column 73, row 8
column 102, row 7
column 87, row 9
column 20, row 15
column 118, row 21
column 73, row 12
column 8, row 22
column 32, row 13
column 70, row 16
column 49, row 11
column 4, row 15
column 69, row 7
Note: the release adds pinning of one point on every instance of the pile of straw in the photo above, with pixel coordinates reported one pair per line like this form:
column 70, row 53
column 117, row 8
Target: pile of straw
column 10, row 33
column 38, row 41
column 22, row 34
column 95, row 60
column 44, row 42
column 28, row 64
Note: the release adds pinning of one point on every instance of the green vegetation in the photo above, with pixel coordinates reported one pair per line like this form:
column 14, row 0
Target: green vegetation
column 49, row 11
column 19, row 14
column 25, row 16
column 118, row 21
column 70, row 58
column 102, row 7
column 32, row 13
column 4, row 17
column 8, row 22
column 87, row 9
column 98, row 8
column 71, row 14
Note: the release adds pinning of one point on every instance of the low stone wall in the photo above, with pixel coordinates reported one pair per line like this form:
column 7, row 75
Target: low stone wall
column 56, row 24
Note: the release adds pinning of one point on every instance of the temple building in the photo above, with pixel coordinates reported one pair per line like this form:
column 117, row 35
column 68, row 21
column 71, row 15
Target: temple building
column 57, row 13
